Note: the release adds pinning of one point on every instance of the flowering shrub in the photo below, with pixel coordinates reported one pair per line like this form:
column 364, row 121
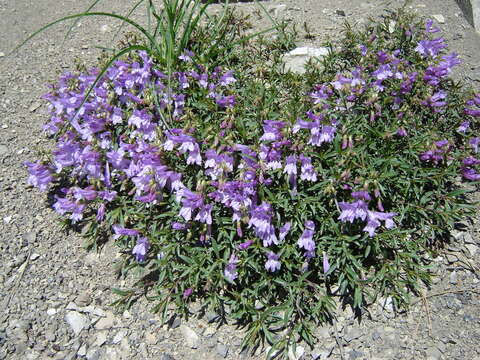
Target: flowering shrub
column 267, row 197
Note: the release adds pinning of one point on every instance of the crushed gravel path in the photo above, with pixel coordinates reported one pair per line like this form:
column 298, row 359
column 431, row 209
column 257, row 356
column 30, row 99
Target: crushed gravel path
column 55, row 296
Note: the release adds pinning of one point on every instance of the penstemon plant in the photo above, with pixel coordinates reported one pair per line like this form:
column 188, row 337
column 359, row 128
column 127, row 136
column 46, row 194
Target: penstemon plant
column 267, row 196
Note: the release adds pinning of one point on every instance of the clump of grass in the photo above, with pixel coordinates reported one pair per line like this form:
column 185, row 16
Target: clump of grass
column 266, row 195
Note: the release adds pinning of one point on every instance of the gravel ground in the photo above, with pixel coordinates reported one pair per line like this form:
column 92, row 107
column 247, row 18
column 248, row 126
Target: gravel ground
column 55, row 296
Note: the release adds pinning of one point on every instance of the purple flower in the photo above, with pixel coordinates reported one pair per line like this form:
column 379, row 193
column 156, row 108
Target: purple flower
column 361, row 195
column 307, row 171
column 383, row 72
column 205, row 214
column 284, row 230
column 272, row 130
column 291, row 166
column 306, row 240
column 470, row 174
column 363, row 50
column 230, row 271
column 121, row 231
column 475, row 142
column 245, row 245
column 352, row 211
column 187, row 293
column 272, row 264
column 39, row 175
column 260, row 219
column 436, row 100
column 326, row 264
column 186, row 56
column 401, row 132
column 373, row 221
column 179, row 226
column 430, row 48
column 226, row 101
column 227, row 78
column 429, row 27
column 141, row 248
column 101, row 212
column 463, row 127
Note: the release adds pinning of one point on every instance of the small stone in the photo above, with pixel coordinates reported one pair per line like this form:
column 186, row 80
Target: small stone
column 83, row 299
column 191, row 338
column 50, row 335
column 277, row 10
column 222, row 350
column 298, row 354
column 176, row 322
column 468, row 238
column 2, row 54
column 84, row 47
column 8, row 219
column 472, row 249
column 82, row 351
column 352, row 334
column 119, row 336
column 105, row 28
column 354, row 354
column 433, row 353
column 296, row 59
column 126, row 314
column 30, row 237
column 77, row 321
column 151, row 338
column 93, row 354
column 3, row 149
column 209, row 331
column 323, row 332
column 51, row 312
column 340, row 12
column 376, row 336
column 453, row 279
column 440, row 19
column 211, row 316
column 106, row 322
column 101, row 339
column 34, row 256
column 166, row 357
column 34, row 106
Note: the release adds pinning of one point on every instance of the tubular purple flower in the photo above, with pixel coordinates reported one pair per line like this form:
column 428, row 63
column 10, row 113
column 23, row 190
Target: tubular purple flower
column 121, row 231
column 272, row 264
column 326, row 264
column 227, row 78
column 187, row 293
column 230, row 271
column 306, row 240
column 284, row 230
column 141, row 248
column 245, row 245
column 39, row 175
column 474, row 143
column 307, row 173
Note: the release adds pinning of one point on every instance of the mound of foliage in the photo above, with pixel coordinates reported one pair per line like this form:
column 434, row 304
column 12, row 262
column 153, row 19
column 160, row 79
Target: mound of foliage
column 262, row 194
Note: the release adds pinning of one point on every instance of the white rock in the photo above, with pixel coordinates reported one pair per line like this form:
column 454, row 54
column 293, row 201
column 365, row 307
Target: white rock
column 101, row 338
column 119, row 336
column 440, row 19
column 297, row 355
column 7, row 219
column 106, row 322
column 82, row 351
column 34, row 256
column 296, row 59
column 77, row 321
column 105, row 28
column 472, row 249
column 51, row 312
column 191, row 338
column 72, row 306
column 2, row 54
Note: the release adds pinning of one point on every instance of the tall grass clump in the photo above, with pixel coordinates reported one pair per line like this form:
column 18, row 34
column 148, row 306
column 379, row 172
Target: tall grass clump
column 264, row 195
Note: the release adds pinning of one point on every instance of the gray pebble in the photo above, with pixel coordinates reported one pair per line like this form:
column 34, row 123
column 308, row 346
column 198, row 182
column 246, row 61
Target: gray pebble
column 222, row 350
